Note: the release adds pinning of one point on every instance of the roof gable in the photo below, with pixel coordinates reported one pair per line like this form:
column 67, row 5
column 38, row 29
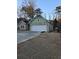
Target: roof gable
column 22, row 23
column 22, row 19
column 38, row 20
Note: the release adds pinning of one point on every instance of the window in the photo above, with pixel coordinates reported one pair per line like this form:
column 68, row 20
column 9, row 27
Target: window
column 22, row 26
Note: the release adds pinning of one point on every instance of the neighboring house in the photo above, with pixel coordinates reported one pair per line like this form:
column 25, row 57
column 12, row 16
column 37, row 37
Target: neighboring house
column 57, row 25
column 22, row 24
column 54, row 24
column 39, row 23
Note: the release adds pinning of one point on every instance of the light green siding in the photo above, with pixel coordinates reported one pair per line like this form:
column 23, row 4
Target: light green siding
column 39, row 21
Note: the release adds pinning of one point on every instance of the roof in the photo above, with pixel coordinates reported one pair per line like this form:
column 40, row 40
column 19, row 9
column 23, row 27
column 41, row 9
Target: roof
column 21, row 19
column 39, row 16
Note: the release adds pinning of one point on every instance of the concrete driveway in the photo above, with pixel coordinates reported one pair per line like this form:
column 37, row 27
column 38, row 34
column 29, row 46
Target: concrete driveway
column 23, row 36
column 45, row 46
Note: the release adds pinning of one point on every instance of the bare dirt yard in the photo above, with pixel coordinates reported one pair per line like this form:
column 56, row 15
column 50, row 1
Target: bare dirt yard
column 44, row 46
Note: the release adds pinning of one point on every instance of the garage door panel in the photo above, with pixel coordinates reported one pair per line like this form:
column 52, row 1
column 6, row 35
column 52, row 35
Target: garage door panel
column 39, row 28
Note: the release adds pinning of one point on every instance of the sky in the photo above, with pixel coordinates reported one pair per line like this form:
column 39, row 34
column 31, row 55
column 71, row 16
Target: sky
column 47, row 6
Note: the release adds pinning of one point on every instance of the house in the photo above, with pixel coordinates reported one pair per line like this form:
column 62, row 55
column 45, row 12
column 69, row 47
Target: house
column 39, row 23
column 22, row 24
column 57, row 25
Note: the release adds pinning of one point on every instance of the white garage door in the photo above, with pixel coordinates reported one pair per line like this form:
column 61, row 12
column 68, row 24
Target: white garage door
column 39, row 28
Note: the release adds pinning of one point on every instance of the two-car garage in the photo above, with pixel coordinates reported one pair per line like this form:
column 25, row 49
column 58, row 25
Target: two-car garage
column 39, row 28
column 39, row 23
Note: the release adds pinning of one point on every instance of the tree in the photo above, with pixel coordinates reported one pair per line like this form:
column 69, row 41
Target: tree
column 38, row 11
column 19, row 13
column 58, row 12
column 29, row 9
column 57, row 20
column 58, row 9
